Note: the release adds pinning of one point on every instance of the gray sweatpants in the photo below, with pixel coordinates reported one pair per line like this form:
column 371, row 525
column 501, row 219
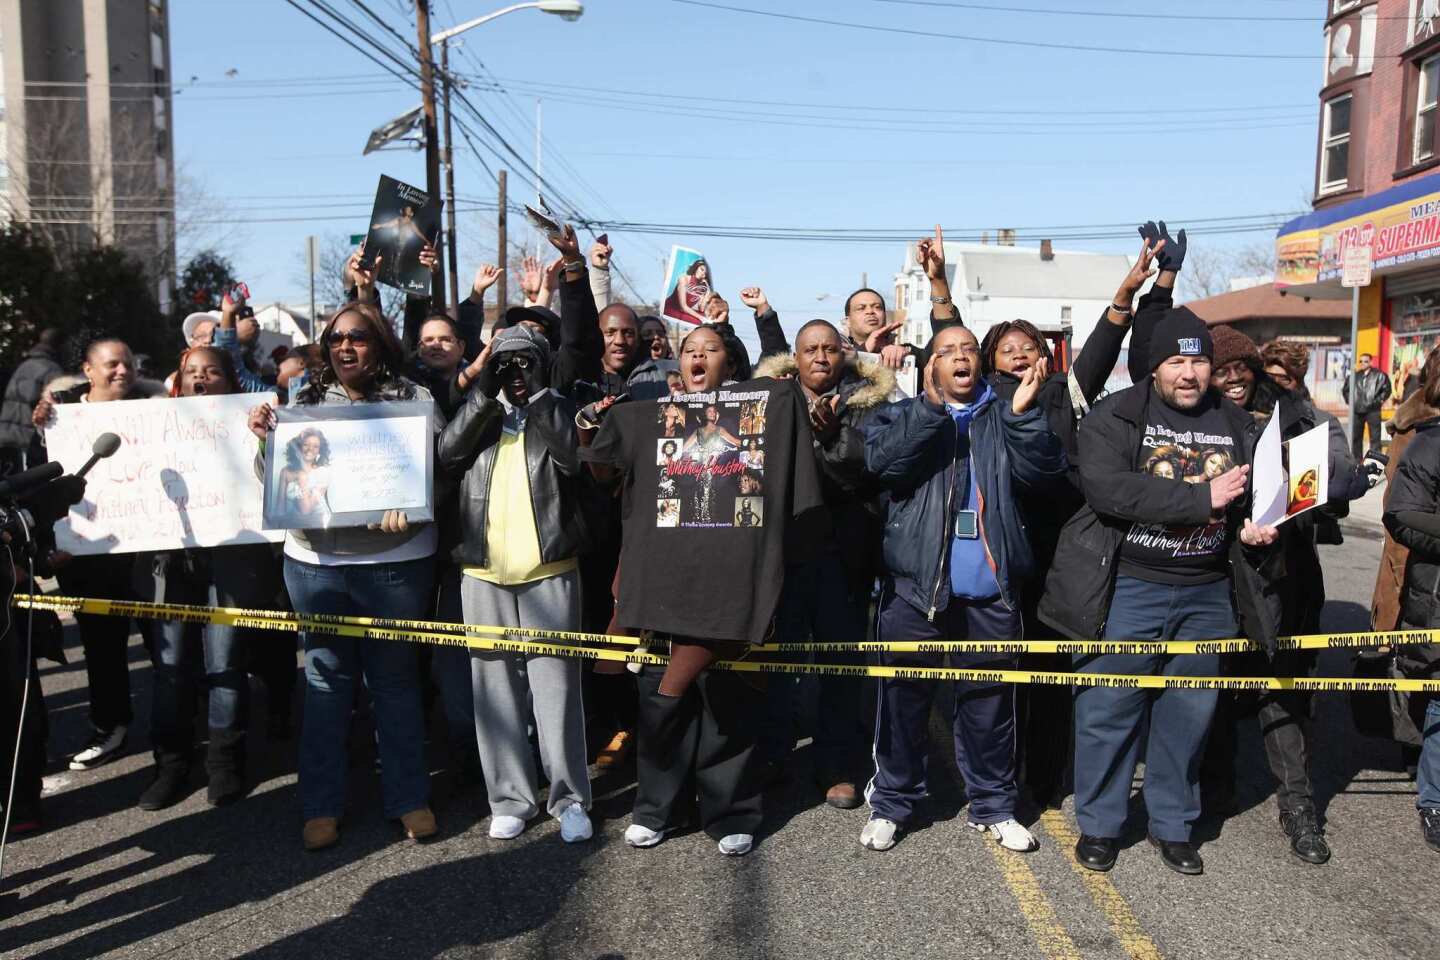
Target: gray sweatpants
column 508, row 686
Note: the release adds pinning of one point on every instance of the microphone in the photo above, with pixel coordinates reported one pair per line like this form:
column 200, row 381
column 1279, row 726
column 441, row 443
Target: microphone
column 16, row 484
column 105, row 446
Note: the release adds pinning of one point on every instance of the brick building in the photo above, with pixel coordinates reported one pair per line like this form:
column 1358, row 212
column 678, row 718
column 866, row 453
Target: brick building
column 1377, row 176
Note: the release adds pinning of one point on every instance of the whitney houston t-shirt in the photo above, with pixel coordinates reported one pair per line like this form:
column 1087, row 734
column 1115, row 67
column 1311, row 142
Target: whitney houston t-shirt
column 714, row 482
column 1184, row 446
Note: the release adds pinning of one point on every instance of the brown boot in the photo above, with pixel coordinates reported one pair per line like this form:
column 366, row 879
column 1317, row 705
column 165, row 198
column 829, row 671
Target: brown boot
column 320, row 832
column 419, row 824
column 616, row 752
column 843, row 796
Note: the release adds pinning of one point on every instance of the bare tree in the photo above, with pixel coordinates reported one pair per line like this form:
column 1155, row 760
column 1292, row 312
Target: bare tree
column 1206, row 273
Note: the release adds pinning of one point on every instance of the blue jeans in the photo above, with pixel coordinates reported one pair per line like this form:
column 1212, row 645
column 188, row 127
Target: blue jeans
column 221, row 577
column 817, row 603
column 1109, row 720
column 1427, row 772
column 334, row 665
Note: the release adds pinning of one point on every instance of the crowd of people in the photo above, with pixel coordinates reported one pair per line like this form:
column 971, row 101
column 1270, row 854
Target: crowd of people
column 592, row 477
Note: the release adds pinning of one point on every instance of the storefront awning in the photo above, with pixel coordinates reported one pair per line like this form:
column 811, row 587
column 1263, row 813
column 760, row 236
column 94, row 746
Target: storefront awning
column 1401, row 224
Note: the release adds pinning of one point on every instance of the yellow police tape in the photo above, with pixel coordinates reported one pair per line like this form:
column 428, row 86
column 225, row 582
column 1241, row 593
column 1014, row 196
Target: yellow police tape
column 486, row 637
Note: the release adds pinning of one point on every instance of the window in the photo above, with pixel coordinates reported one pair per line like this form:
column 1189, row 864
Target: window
column 1426, row 103
column 1335, row 145
column 1340, row 6
column 1065, row 313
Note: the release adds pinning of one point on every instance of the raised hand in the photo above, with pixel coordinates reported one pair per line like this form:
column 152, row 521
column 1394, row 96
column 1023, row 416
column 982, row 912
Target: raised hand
column 1173, row 256
column 44, row 412
column 717, row 310
column 882, row 337
column 364, row 277
column 529, row 277
column 932, row 391
column 485, row 276
column 600, row 255
column 1030, row 383
column 428, row 258
column 262, row 420
column 754, row 298
column 1142, row 270
column 931, row 254
column 1227, row 487
column 566, row 242
column 1149, row 232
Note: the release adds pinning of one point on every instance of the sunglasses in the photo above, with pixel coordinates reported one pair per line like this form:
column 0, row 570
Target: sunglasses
column 336, row 337
column 521, row 362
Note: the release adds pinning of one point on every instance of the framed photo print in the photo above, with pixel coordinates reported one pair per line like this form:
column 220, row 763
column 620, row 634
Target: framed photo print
column 345, row 466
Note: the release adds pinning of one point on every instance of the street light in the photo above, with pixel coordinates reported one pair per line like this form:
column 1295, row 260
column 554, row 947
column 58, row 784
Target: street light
column 565, row 10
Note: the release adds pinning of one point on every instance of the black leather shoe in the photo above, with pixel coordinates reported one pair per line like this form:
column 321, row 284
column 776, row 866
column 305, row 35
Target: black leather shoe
column 1180, row 856
column 1430, row 827
column 1307, row 837
column 1097, row 853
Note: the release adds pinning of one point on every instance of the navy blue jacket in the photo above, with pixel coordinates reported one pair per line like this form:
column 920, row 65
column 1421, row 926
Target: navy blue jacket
column 911, row 447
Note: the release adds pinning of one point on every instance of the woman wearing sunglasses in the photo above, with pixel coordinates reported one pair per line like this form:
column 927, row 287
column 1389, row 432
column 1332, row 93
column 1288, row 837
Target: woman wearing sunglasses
column 382, row 570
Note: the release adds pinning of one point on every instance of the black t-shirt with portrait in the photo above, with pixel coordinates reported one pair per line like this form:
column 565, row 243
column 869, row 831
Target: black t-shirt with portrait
column 714, row 485
column 1183, row 446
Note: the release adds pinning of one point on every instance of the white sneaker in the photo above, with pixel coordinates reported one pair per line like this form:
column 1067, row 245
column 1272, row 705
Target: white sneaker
column 103, row 747
column 879, row 834
column 638, row 836
column 575, row 824
column 508, row 828
column 736, row 845
column 1009, row 834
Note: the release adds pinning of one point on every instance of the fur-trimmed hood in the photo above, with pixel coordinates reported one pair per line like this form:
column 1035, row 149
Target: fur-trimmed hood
column 1410, row 412
column 863, row 384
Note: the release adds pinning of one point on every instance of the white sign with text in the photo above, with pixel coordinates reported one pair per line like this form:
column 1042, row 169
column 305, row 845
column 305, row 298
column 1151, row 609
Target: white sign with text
column 184, row 475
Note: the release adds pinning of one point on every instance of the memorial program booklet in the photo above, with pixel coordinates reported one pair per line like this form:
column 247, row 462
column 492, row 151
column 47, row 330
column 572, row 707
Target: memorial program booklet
column 405, row 218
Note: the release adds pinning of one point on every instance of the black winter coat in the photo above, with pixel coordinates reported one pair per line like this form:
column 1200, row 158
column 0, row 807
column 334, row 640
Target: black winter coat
column 468, row 445
column 911, row 448
column 1118, row 493
column 26, row 387
column 852, row 496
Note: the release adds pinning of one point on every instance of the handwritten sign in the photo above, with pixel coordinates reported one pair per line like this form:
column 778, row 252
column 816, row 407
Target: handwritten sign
column 184, row 475
column 338, row 466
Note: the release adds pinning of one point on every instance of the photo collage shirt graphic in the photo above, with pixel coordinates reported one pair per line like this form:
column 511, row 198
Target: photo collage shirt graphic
column 710, row 455
column 1184, row 448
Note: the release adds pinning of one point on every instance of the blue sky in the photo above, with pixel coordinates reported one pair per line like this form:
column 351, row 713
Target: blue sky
column 653, row 113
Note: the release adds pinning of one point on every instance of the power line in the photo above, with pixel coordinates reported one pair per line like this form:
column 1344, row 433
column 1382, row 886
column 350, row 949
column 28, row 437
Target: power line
column 1040, row 44
column 350, row 43
column 1113, row 14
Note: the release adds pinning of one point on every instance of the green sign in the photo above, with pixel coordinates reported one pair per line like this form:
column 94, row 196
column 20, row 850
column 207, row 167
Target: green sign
column 357, row 239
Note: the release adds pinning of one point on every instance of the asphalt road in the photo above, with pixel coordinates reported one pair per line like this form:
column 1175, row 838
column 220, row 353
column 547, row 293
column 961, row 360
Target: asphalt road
column 109, row 880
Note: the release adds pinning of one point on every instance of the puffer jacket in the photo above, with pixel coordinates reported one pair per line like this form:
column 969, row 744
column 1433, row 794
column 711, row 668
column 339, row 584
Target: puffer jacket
column 468, row 444
column 851, row 494
column 1117, row 492
column 26, row 387
column 911, row 448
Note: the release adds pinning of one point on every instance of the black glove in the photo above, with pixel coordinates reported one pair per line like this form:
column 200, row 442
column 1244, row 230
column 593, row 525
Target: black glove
column 1149, row 232
column 1173, row 253
column 488, row 382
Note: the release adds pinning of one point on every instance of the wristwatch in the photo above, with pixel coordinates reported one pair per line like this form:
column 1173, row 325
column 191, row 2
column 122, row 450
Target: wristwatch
column 940, row 300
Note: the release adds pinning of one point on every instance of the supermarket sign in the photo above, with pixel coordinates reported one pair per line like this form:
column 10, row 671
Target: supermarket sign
column 1401, row 226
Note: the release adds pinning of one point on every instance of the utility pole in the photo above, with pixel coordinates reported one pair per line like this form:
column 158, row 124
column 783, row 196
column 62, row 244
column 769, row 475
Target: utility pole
column 432, row 138
column 539, row 159
column 450, row 178
column 501, row 283
column 312, row 257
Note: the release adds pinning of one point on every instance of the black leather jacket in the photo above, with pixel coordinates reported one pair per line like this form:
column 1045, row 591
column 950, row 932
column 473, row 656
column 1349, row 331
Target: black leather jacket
column 468, row 445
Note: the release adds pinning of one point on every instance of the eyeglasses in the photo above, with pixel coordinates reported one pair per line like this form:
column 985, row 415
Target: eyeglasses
column 521, row 362
column 336, row 337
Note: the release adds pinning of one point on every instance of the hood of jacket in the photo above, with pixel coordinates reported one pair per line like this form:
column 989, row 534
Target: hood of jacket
column 1411, row 412
column 864, row 384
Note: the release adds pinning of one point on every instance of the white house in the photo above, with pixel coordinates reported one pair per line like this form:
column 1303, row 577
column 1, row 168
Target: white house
column 1059, row 291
